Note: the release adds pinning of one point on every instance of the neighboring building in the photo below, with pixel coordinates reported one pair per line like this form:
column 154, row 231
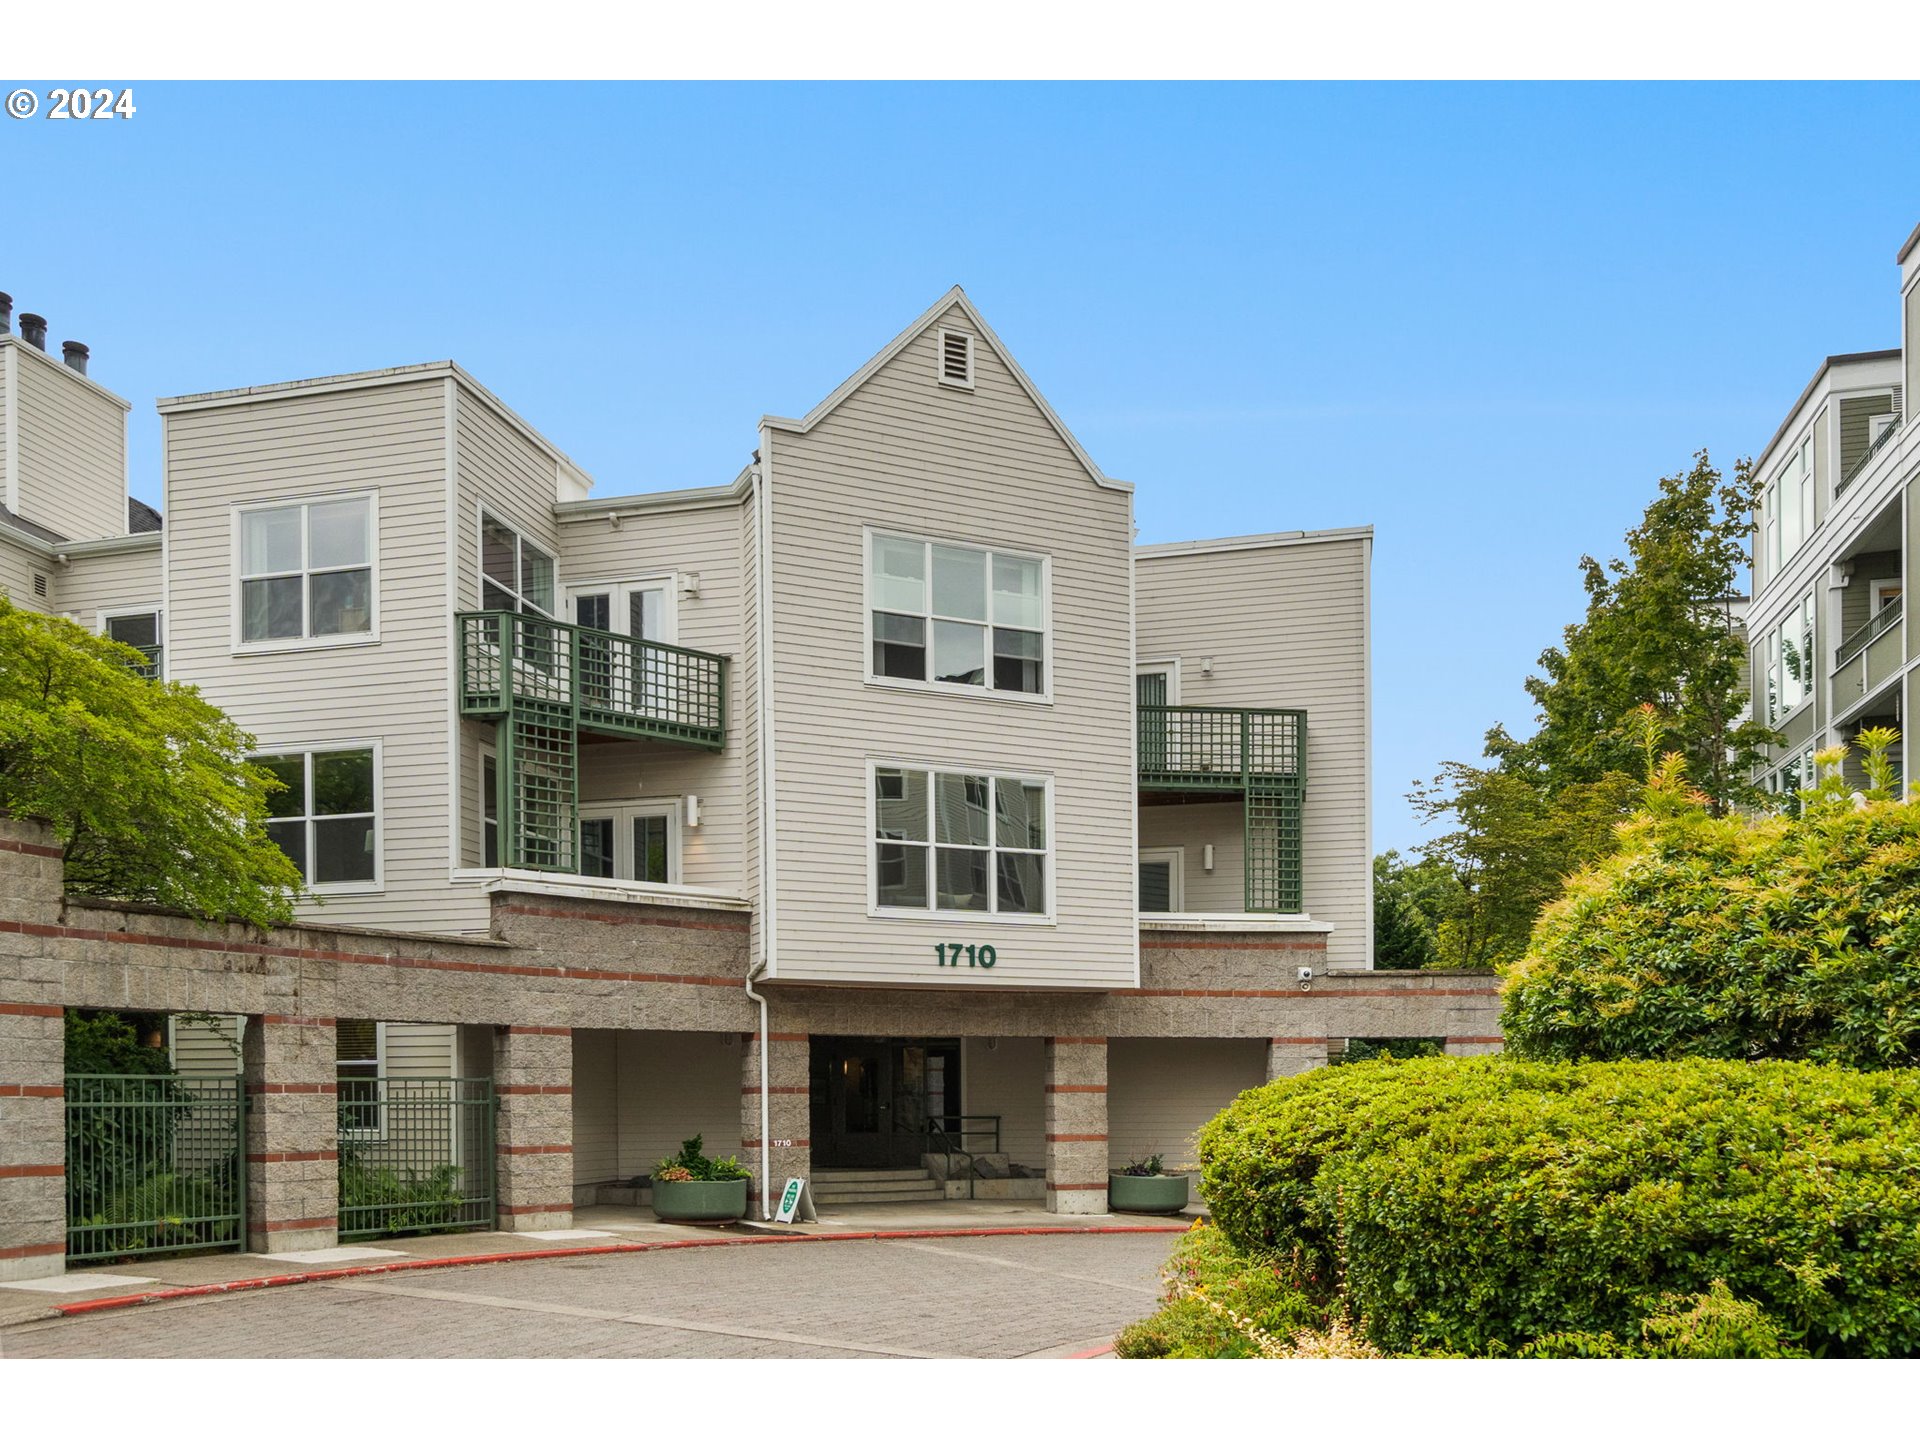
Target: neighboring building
column 1834, row 541
column 902, row 705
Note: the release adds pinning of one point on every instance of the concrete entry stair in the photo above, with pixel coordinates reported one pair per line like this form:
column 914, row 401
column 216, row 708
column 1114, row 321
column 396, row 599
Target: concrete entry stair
column 873, row 1187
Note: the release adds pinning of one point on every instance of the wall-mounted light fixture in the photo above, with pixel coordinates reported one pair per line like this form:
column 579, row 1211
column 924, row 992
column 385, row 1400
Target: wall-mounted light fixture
column 692, row 804
column 690, row 585
column 1206, row 858
column 1206, row 664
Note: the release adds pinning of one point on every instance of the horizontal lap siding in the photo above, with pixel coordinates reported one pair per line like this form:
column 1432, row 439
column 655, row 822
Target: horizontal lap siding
column 209, row 1047
column 1009, row 1081
column 71, row 447
column 391, row 439
column 1193, row 827
column 1159, row 1092
column 706, row 542
column 904, row 453
column 93, row 584
column 18, row 566
column 638, row 1093
column 1285, row 627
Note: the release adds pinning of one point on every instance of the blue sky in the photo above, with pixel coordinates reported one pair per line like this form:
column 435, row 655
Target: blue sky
column 1484, row 319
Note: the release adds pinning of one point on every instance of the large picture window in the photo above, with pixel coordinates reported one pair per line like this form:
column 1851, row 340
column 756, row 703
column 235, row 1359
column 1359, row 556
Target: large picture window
column 956, row 842
column 515, row 573
column 957, row 616
column 326, row 818
column 1786, row 508
column 306, row 570
column 1789, row 657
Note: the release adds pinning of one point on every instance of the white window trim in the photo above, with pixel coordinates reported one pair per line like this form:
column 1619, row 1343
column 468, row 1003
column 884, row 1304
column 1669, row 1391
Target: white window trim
column 310, row 748
column 623, row 813
column 668, row 582
column 869, row 534
column 486, row 753
column 940, row 361
column 101, row 618
column 1174, row 856
column 521, row 539
column 877, row 911
column 376, row 1132
column 1773, row 655
column 1168, row 668
column 1877, row 588
column 288, row 643
column 1877, row 425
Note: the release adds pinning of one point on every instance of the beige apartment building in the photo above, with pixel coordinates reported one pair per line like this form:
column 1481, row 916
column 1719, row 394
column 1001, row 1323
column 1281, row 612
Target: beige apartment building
column 881, row 804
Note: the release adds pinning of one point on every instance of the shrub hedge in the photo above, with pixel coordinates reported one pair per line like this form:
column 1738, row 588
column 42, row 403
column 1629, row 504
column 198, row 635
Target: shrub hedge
column 1480, row 1207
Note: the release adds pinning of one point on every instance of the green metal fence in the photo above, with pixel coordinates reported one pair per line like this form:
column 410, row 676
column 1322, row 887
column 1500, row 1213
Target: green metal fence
column 416, row 1156
column 155, row 1164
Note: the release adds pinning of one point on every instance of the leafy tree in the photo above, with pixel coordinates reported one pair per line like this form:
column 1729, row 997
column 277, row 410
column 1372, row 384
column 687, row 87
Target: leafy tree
column 105, row 1043
column 1407, row 902
column 147, row 785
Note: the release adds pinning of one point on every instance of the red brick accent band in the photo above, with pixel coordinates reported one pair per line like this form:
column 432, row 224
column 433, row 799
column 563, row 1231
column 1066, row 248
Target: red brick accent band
column 1072, row 1139
column 45, row 1011
column 1170, row 941
column 276, row 1087
column 653, row 919
column 1076, row 1089
column 279, row 1157
column 534, row 1089
column 314, row 1222
column 1476, row 1039
column 1086, row 1185
column 536, row 1149
column 564, row 1207
column 1301, row 1040
column 34, row 1092
column 778, row 1036
column 539, row 1030
column 27, row 847
column 776, row 1090
column 21, row 1252
column 323, row 1021
column 1298, row 994
column 23, row 1172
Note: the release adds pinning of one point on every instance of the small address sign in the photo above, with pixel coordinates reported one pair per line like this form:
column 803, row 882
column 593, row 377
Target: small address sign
column 977, row 956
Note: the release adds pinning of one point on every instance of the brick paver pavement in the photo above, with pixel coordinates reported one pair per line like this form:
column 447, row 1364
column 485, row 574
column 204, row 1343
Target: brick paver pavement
column 994, row 1296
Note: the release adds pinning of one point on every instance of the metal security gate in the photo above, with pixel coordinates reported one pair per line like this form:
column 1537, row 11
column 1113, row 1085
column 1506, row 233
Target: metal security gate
column 416, row 1156
column 155, row 1164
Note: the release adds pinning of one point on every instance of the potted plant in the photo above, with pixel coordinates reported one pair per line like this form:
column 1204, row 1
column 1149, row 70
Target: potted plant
column 697, row 1189
column 1145, row 1188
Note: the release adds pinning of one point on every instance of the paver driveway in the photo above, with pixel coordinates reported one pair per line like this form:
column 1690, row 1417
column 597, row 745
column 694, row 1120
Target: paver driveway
column 995, row 1296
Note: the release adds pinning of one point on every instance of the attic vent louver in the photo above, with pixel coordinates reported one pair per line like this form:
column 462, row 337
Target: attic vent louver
column 956, row 359
column 40, row 586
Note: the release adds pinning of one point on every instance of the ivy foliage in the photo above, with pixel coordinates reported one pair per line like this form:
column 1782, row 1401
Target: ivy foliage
column 1786, row 937
column 148, row 787
column 1485, row 1206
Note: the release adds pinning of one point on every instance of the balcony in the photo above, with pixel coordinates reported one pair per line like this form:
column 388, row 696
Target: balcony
column 595, row 680
column 1868, row 658
column 1217, row 753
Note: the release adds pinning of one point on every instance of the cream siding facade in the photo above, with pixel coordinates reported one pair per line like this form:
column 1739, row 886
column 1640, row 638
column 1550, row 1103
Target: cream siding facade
column 1156, row 1088
column 903, row 453
column 64, row 447
column 639, row 1093
column 1283, row 621
column 18, row 565
column 103, row 581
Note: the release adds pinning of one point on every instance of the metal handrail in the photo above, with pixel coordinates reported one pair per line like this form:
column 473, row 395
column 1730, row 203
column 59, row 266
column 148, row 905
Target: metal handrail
column 1865, row 460
column 1877, row 625
column 942, row 1129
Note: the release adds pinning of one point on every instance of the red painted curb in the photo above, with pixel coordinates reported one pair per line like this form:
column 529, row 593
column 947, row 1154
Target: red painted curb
column 628, row 1247
column 1093, row 1354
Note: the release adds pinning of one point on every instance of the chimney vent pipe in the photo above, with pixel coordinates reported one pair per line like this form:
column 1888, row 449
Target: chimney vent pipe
column 33, row 329
column 75, row 354
column 6, row 313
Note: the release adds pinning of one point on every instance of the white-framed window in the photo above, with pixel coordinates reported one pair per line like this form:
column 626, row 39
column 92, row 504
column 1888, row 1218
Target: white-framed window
column 1786, row 507
column 636, row 841
column 141, row 630
column 1878, row 425
column 961, row 618
column 327, row 818
column 515, row 573
column 956, row 359
column 489, row 808
column 360, row 1062
column 1163, row 880
column 954, row 841
column 1882, row 593
column 1156, row 682
column 1798, row 772
column 1788, row 656
column 306, row 572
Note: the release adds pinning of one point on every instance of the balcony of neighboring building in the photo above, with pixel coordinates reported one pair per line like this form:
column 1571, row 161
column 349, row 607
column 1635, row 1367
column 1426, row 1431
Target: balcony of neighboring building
column 1871, row 645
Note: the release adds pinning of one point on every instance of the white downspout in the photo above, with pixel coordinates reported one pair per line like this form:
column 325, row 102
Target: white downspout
column 763, row 694
column 766, row 1145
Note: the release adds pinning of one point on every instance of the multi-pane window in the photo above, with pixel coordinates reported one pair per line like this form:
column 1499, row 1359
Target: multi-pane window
column 306, row 570
column 1786, row 508
column 357, row 1074
column 1797, row 774
column 325, row 817
column 629, row 842
column 515, row 573
column 1789, row 660
column 951, row 841
column 140, row 630
column 489, row 810
column 957, row 615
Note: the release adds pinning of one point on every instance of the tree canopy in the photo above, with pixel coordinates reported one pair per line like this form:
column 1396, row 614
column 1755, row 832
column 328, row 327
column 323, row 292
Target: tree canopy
column 147, row 786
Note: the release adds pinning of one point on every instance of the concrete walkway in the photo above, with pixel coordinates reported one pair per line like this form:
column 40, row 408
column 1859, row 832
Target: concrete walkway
column 603, row 1229
column 917, row 1294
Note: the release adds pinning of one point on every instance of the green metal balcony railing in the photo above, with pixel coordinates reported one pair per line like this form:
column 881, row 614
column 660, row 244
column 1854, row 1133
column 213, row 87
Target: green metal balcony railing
column 615, row 683
column 1883, row 620
column 1260, row 755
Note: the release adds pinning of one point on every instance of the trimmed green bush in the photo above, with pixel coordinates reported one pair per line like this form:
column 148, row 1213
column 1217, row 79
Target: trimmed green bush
column 1205, row 1266
column 1781, row 938
column 1479, row 1207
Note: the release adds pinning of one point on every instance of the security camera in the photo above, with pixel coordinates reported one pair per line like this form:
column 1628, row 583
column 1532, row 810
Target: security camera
column 1306, row 974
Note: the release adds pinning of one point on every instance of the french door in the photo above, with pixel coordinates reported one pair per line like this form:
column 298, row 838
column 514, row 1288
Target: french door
column 630, row 679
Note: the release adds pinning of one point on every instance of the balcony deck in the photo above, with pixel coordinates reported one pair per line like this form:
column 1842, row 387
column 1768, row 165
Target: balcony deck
column 597, row 680
column 1210, row 747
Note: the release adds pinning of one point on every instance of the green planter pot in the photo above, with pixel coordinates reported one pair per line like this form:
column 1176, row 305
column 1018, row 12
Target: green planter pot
column 699, row 1202
column 1147, row 1194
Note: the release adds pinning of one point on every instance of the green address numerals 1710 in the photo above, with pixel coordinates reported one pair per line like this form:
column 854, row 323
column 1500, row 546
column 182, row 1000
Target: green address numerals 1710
column 980, row 956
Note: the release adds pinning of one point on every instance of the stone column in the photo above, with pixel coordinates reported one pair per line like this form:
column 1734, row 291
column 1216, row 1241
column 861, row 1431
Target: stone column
column 789, row 1112
column 533, row 1078
column 1475, row 1044
column 1290, row 1055
column 288, row 1067
column 33, row 1116
column 1077, row 1124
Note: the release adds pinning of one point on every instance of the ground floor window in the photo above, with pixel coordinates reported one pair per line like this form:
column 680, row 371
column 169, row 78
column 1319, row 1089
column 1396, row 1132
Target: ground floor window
column 1160, row 881
column 359, row 1047
column 326, row 818
column 953, row 841
column 631, row 842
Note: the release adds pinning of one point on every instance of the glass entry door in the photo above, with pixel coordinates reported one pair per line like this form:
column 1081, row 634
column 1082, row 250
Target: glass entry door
column 872, row 1099
column 617, row 676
